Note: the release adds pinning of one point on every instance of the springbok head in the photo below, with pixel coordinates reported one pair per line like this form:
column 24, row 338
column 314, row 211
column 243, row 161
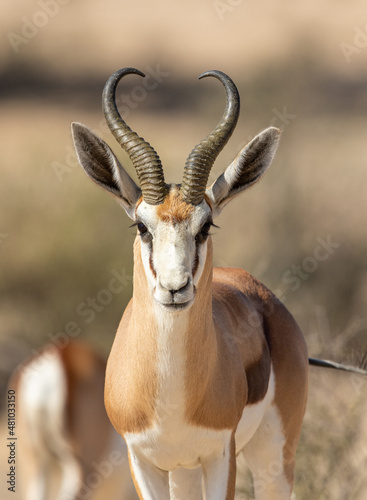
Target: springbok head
column 173, row 220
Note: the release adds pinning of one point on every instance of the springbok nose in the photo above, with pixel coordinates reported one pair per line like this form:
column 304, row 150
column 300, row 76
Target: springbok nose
column 177, row 285
column 181, row 288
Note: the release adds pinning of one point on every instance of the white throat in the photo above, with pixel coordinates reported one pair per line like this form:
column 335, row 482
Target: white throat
column 171, row 351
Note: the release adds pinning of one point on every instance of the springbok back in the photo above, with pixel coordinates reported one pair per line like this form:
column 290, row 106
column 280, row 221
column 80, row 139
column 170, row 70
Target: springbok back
column 206, row 362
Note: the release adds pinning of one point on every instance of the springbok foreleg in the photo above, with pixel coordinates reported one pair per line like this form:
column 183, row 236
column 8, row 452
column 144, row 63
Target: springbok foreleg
column 150, row 482
column 219, row 474
column 71, row 477
column 186, row 484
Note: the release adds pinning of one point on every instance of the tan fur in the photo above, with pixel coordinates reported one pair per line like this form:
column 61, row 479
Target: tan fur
column 289, row 357
column 174, row 209
column 235, row 330
column 85, row 372
column 204, row 374
column 130, row 393
column 292, row 379
column 82, row 432
column 244, row 309
column 240, row 328
column 229, row 355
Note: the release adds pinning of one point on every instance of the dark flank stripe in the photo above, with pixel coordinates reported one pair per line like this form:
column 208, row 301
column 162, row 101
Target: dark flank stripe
column 258, row 375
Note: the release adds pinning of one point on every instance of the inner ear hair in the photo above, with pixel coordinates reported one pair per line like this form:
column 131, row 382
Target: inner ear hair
column 102, row 166
column 255, row 158
column 96, row 158
column 246, row 169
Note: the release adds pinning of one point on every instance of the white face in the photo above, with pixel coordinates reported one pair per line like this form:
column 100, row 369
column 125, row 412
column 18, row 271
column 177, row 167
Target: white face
column 173, row 252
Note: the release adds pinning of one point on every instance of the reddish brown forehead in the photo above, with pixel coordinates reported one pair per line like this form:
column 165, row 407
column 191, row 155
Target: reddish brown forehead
column 174, row 209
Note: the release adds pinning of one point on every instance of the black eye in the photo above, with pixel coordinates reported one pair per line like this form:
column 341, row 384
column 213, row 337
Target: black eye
column 142, row 228
column 143, row 231
column 203, row 233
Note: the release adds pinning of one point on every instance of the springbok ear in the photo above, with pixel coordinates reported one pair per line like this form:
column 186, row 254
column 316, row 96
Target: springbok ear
column 102, row 166
column 246, row 169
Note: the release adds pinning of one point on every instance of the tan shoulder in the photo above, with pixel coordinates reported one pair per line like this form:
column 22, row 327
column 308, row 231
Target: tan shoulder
column 243, row 282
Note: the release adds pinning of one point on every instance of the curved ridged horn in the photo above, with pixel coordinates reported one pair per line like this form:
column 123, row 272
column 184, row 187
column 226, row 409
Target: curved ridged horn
column 144, row 158
column 201, row 159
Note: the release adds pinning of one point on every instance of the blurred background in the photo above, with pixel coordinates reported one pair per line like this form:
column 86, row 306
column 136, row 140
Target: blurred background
column 300, row 66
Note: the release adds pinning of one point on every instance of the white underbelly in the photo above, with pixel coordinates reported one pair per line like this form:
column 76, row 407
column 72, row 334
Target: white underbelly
column 187, row 447
column 172, row 442
column 252, row 416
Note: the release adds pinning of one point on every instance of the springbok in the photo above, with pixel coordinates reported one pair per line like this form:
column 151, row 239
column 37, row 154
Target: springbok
column 206, row 362
column 62, row 424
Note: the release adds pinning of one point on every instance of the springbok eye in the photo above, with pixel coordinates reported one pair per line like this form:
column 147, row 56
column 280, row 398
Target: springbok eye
column 142, row 228
column 143, row 231
column 203, row 234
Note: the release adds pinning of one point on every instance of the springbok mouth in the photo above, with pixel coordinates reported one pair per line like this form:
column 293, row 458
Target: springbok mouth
column 176, row 307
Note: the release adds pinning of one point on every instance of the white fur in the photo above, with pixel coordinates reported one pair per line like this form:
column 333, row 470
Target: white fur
column 264, row 454
column 173, row 254
column 252, row 416
column 185, row 484
column 43, row 393
column 172, row 442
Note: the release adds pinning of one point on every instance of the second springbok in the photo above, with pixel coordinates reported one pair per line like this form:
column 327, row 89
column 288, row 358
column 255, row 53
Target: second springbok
column 206, row 362
column 68, row 448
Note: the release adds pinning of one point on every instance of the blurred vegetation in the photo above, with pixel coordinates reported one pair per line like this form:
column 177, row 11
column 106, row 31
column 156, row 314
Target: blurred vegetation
column 61, row 238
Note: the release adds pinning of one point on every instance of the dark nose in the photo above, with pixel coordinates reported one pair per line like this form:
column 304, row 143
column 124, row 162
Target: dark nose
column 182, row 288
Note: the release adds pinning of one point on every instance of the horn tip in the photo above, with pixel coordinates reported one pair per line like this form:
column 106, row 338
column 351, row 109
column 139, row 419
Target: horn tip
column 129, row 71
column 214, row 72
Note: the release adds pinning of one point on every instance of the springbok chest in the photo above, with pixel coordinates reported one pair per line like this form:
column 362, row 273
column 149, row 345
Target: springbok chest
column 176, row 444
column 171, row 442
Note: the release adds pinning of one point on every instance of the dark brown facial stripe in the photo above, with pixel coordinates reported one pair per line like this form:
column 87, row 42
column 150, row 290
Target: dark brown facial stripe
column 196, row 261
column 151, row 265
